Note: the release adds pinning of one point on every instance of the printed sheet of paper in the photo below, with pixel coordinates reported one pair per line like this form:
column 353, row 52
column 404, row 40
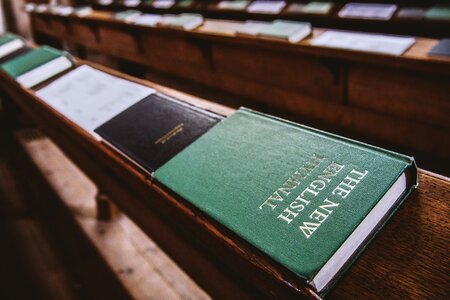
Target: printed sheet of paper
column 90, row 97
column 368, row 11
column 376, row 43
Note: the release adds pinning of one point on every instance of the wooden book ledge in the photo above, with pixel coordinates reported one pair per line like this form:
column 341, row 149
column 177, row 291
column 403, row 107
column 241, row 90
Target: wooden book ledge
column 406, row 260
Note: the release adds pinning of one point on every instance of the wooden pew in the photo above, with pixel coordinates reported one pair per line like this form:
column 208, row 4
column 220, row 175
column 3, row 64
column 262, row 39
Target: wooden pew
column 395, row 25
column 405, row 260
column 399, row 102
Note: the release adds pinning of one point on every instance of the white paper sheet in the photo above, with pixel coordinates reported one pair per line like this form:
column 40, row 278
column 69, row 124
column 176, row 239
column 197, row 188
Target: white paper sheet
column 367, row 42
column 90, row 97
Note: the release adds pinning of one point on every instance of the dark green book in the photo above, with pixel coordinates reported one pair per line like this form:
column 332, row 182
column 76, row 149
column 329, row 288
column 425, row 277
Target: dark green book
column 37, row 65
column 439, row 12
column 185, row 3
column 10, row 43
column 308, row 199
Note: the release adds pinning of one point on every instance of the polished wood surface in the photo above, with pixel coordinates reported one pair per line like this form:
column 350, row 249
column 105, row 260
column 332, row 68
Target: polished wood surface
column 399, row 102
column 407, row 258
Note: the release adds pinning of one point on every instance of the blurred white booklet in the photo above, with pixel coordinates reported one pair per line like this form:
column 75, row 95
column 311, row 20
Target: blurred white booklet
column 266, row 7
column 89, row 97
column 367, row 42
column 368, row 11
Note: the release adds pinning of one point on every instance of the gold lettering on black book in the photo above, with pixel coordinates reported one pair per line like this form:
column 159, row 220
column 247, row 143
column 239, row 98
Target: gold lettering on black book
column 178, row 129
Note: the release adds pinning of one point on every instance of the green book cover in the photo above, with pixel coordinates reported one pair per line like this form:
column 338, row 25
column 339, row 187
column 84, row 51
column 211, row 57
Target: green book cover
column 127, row 14
column 317, row 7
column 233, row 5
column 8, row 37
column 294, row 192
column 292, row 31
column 185, row 21
column 439, row 12
column 30, row 61
column 185, row 3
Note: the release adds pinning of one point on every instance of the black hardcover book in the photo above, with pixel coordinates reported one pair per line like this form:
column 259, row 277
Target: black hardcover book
column 441, row 49
column 14, row 54
column 155, row 129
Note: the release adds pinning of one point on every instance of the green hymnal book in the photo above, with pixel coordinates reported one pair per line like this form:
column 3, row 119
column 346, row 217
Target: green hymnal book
column 127, row 15
column 184, row 21
column 439, row 12
column 308, row 199
column 185, row 3
column 10, row 43
column 317, row 7
column 233, row 5
column 290, row 31
column 37, row 65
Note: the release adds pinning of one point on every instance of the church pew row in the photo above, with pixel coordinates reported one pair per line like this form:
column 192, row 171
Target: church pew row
column 224, row 264
column 399, row 101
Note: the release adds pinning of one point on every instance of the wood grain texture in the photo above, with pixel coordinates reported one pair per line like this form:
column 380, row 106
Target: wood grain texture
column 409, row 258
column 137, row 261
column 54, row 259
column 413, row 246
